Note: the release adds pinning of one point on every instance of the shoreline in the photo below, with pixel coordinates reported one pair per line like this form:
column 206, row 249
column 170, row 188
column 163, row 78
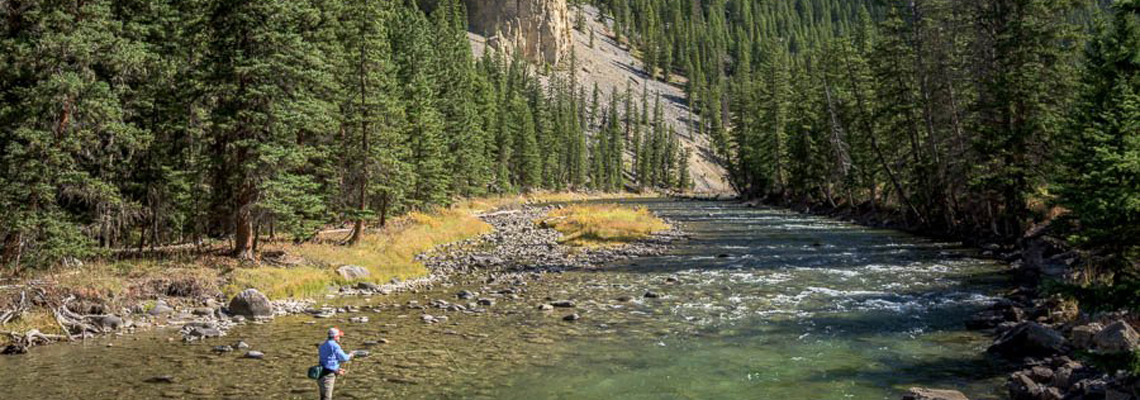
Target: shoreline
column 208, row 317
column 1056, row 350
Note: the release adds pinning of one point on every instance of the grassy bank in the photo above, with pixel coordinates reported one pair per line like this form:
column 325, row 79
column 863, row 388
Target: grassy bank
column 603, row 225
column 386, row 253
column 189, row 274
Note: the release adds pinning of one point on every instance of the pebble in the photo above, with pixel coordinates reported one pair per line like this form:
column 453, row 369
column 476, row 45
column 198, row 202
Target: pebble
column 563, row 304
column 160, row 379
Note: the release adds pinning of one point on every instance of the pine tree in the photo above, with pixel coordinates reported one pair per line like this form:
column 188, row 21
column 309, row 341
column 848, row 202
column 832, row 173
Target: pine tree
column 371, row 116
column 266, row 79
column 1100, row 181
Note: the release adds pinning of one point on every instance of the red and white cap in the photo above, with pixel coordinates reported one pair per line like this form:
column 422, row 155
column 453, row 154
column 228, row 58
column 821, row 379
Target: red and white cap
column 334, row 332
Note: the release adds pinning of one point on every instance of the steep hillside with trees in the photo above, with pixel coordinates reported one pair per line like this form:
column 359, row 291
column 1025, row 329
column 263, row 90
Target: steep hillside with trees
column 137, row 124
column 975, row 119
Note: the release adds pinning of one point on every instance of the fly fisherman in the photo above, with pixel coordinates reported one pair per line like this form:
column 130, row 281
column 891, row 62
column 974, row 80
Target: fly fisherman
column 331, row 356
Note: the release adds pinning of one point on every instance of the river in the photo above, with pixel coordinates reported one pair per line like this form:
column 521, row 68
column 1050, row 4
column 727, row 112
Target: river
column 758, row 303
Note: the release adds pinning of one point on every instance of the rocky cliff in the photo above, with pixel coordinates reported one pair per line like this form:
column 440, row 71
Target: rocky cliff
column 540, row 29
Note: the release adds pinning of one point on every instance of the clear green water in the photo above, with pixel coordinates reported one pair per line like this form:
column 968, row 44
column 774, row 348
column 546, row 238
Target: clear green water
column 767, row 305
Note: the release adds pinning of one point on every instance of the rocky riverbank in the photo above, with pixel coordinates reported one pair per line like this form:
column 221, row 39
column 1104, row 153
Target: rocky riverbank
column 519, row 249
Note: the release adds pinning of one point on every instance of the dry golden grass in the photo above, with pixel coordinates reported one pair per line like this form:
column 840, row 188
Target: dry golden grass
column 603, row 225
column 387, row 253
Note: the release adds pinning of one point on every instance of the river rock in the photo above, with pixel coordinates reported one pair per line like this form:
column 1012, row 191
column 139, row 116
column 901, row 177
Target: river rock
column 624, row 299
column 256, row 355
column 572, row 317
column 250, row 303
column 1117, row 337
column 223, row 349
column 369, row 286
column 563, row 304
column 1082, row 336
column 241, row 345
column 202, row 311
column 360, row 353
column 201, row 330
column 466, row 295
column 159, row 309
column 933, row 394
column 109, row 322
column 1022, row 387
column 651, row 295
column 358, row 320
column 545, row 307
column 353, row 272
column 486, row 302
column 1029, row 339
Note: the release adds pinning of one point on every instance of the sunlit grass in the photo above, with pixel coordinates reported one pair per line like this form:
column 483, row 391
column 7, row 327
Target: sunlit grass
column 386, row 254
column 603, row 225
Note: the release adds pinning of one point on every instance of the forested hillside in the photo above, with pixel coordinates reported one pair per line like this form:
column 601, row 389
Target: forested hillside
column 134, row 124
column 970, row 118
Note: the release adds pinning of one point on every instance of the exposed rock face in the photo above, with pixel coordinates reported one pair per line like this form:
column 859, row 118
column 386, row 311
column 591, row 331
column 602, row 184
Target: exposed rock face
column 539, row 29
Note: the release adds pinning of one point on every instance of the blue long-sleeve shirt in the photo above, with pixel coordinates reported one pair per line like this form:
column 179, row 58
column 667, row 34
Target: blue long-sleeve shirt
column 332, row 355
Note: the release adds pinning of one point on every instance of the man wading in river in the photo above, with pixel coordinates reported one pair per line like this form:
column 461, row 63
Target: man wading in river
column 331, row 356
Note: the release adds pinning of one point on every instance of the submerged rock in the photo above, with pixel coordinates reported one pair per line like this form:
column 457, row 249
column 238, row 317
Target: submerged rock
column 917, row 393
column 160, row 379
column 572, row 317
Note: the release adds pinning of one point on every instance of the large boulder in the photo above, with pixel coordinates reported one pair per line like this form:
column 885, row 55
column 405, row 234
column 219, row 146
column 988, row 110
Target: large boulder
column 1029, row 339
column 933, row 394
column 353, row 272
column 250, row 303
column 1118, row 337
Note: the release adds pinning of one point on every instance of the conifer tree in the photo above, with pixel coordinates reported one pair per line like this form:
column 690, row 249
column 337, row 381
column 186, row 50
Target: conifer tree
column 1101, row 158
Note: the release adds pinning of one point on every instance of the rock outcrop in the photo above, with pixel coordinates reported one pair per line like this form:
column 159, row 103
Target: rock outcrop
column 539, row 29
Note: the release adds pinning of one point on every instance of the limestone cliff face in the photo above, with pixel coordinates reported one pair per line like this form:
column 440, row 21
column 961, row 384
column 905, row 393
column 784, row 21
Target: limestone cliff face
column 539, row 29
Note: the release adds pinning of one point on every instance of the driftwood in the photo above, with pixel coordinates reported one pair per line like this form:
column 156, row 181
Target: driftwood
column 17, row 310
column 22, row 341
column 72, row 325
column 83, row 326
column 497, row 213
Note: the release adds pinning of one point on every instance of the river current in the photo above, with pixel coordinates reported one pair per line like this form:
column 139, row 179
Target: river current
column 758, row 303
